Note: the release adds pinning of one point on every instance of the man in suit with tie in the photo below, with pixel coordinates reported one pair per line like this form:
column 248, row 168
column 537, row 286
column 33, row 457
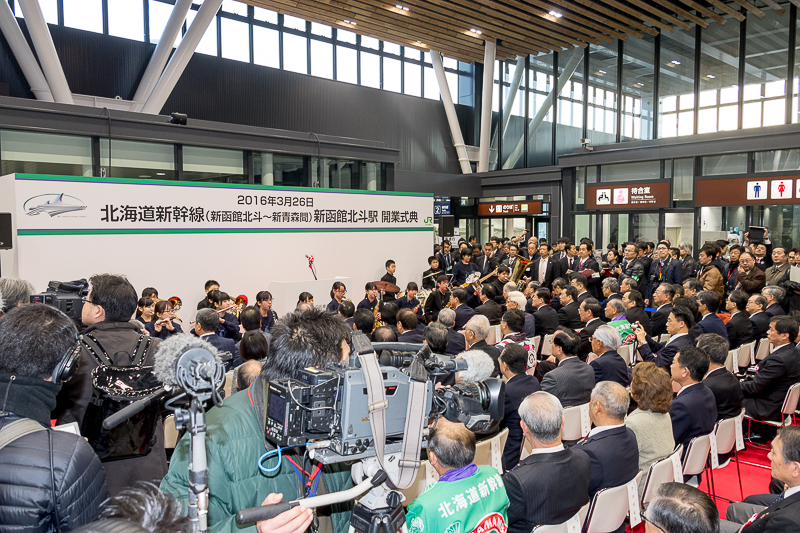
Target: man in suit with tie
column 780, row 512
column 489, row 307
column 475, row 333
column 635, row 303
column 545, row 317
column 513, row 364
column 588, row 268
column 545, row 269
column 611, row 446
column 662, row 298
column 758, row 318
column 662, row 353
column 446, row 258
column 487, row 262
column 694, row 409
column 569, row 314
column 739, row 327
column 774, row 296
column 552, row 484
column 723, row 384
column 610, row 287
column 580, row 282
column 572, row 380
column 663, row 269
column 463, row 311
column 590, row 311
column 569, row 261
column 513, row 257
column 609, row 365
column 407, row 323
column 765, row 393
column 707, row 306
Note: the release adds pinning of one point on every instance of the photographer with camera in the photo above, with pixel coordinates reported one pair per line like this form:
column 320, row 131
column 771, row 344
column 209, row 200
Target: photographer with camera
column 235, row 438
column 466, row 495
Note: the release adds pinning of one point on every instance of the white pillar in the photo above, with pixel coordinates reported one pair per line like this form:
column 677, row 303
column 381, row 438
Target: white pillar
column 181, row 57
column 513, row 90
column 267, row 169
column 46, row 50
column 25, row 58
column 450, row 111
column 160, row 55
column 486, row 106
column 371, row 176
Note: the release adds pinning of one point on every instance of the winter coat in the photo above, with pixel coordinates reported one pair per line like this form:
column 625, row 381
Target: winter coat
column 711, row 277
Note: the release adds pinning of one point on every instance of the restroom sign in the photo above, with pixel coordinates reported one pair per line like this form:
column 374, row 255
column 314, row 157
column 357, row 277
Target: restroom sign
column 781, row 189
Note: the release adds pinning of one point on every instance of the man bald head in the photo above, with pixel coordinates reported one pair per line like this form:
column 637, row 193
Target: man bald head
column 451, row 446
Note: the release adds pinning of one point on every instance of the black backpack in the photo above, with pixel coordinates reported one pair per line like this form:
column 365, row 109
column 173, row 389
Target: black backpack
column 115, row 387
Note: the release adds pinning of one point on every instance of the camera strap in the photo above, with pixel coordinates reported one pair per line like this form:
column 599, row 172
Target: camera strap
column 412, row 440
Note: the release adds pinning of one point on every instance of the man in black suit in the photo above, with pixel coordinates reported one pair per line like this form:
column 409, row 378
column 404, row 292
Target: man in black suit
column 610, row 445
column 580, row 282
column 589, row 269
column 569, row 314
column 463, row 311
column 455, row 343
column 205, row 326
column 636, row 313
column 590, row 311
column 680, row 507
column 475, row 333
column 765, row 393
column 608, row 365
column 487, row 263
column 446, row 257
column 489, row 307
column 694, row 409
column 663, row 269
column 774, row 296
column 552, row 484
column 662, row 299
column 739, row 327
column 569, row 262
column 758, row 318
column 545, row 317
column 610, row 287
column 723, row 384
column 407, row 323
column 545, row 269
column 707, row 306
column 782, row 512
column 662, row 353
column 513, row 364
column 572, row 380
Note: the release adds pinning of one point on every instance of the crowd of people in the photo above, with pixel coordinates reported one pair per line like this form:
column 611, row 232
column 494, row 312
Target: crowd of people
column 679, row 315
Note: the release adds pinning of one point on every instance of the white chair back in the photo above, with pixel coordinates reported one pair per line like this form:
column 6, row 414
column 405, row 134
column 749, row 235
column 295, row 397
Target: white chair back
column 725, row 431
column 730, row 361
column 747, row 354
column 626, row 352
column 763, row 349
column 426, row 475
column 547, row 345
column 664, row 337
column 609, row 508
column 532, row 354
column 170, row 433
column 576, row 422
column 660, row 472
column 696, row 456
column 525, row 451
column 791, row 400
column 228, row 383
column 492, row 338
column 573, row 524
column 490, row 451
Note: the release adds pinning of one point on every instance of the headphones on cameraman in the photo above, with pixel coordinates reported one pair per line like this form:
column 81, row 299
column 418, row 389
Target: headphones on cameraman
column 68, row 364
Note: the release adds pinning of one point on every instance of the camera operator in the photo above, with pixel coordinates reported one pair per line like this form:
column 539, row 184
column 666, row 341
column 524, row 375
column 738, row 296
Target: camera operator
column 235, row 436
column 466, row 495
column 106, row 313
column 51, row 480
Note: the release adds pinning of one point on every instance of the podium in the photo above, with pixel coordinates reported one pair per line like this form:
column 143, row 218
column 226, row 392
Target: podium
column 285, row 293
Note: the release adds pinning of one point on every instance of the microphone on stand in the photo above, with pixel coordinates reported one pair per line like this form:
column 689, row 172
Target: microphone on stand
column 311, row 265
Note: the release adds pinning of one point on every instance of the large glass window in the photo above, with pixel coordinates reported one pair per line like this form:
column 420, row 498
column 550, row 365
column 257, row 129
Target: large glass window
column 49, row 10
column 715, row 165
column 336, row 173
column 84, row 15
column 208, row 43
column 44, row 153
column 782, row 221
column 777, row 160
column 321, row 59
column 346, row 64
column 235, row 40
column 214, row 165
column 129, row 159
column 719, row 78
column 274, row 169
column 682, row 182
column 540, row 113
column 570, row 101
column 642, row 170
column 513, row 123
column 159, row 15
column 266, row 47
column 295, row 53
column 126, row 19
column 676, row 84
column 371, row 70
column 601, row 122
column 637, row 88
column 766, row 58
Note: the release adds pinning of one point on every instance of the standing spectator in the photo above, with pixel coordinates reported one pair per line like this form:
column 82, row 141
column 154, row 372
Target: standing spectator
column 663, row 269
column 710, row 272
column 779, row 271
column 750, row 278
column 513, row 364
column 688, row 264
column 51, row 480
column 693, row 411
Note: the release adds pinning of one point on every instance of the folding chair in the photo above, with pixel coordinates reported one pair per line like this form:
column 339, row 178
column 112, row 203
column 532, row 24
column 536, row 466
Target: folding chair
column 763, row 349
column 573, row 428
column 564, row 527
column 660, row 472
column 609, row 508
column 725, row 432
column 664, row 337
column 228, row 383
column 547, row 345
column 626, row 352
column 426, row 475
column 535, row 342
column 787, row 411
column 731, row 360
column 696, row 460
column 746, row 356
column 490, row 451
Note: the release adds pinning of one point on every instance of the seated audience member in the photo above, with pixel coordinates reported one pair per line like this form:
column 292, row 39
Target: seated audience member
column 455, row 343
column 739, row 327
column 694, row 409
column 608, row 365
column 346, row 310
column 513, row 364
column 489, row 307
column 662, row 353
column 384, row 334
column 463, row 311
column 15, row 292
column 615, row 313
column 407, row 323
column 106, row 313
column 768, row 512
column 758, row 318
column 580, row 282
column 437, row 336
column 544, row 316
column 611, row 446
column 235, row 435
column 590, row 315
column 253, row 347
column 765, row 393
column 651, row 389
column 364, row 321
column 635, row 312
column 451, row 451
column 552, row 484
column 723, row 384
column 774, row 296
column 205, row 327
column 569, row 315
column 164, row 323
column 611, row 292
column 516, row 300
column 680, row 508
column 511, row 328
column 479, row 366
column 559, row 284
column 475, row 333
column 246, row 374
column 572, row 380
column 707, row 306
column 389, row 316
column 662, row 301
column 51, row 480
column 691, row 287
column 627, row 285
column 138, row 509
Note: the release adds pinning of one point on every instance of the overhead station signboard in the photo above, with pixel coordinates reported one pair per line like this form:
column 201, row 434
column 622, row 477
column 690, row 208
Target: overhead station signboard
column 743, row 191
column 642, row 195
column 509, row 209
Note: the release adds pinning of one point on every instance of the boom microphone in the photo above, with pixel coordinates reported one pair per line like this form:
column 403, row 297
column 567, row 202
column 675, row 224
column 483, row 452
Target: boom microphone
column 181, row 353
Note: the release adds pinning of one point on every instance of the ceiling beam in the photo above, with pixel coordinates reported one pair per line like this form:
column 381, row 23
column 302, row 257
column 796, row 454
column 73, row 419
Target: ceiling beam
column 661, row 14
column 775, row 6
column 722, row 6
column 638, row 14
column 683, row 13
column 705, row 11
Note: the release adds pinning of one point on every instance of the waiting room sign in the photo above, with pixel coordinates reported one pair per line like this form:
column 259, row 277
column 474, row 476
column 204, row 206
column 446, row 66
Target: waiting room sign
column 640, row 195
